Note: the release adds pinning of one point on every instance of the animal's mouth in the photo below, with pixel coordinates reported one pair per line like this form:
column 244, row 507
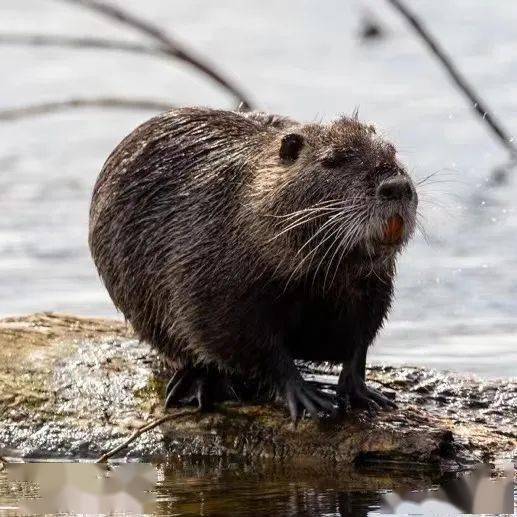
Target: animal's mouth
column 393, row 231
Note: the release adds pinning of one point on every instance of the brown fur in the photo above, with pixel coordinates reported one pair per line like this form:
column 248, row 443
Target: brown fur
column 205, row 230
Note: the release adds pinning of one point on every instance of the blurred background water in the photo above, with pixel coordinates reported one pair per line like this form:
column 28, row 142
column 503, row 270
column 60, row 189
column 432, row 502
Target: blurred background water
column 456, row 300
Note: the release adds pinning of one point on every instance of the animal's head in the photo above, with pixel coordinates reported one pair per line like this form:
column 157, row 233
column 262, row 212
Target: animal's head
column 333, row 193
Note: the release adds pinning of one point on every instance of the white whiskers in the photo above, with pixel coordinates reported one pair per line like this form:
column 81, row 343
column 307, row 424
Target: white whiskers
column 339, row 233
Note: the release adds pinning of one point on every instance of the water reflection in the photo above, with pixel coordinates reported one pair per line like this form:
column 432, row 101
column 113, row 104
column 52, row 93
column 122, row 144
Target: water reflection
column 219, row 486
column 208, row 487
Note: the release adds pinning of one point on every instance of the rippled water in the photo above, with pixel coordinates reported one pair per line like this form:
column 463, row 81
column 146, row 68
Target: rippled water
column 457, row 294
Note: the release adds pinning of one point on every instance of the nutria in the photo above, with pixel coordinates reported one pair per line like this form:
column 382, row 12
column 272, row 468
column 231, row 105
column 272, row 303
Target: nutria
column 238, row 243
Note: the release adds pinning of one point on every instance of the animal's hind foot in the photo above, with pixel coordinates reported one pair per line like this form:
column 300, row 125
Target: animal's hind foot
column 197, row 386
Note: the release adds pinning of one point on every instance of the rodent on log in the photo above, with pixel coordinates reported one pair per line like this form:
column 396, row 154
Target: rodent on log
column 237, row 243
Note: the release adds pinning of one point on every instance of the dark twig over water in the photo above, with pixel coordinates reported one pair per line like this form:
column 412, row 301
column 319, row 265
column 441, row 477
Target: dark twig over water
column 477, row 103
column 81, row 43
column 100, row 102
column 170, row 46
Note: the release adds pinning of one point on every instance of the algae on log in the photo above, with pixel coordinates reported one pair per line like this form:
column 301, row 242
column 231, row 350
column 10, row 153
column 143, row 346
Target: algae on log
column 77, row 387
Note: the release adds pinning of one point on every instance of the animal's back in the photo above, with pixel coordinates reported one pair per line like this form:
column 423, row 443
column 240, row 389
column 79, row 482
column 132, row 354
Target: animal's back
column 162, row 204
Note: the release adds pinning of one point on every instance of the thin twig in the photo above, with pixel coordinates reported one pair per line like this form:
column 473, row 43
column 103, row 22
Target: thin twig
column 82, row 43
column 142, row 430
column 477, row 103
column 171, row 47
column 101, row 102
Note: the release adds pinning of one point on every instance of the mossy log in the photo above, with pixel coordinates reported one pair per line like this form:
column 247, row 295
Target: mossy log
column 77, row 387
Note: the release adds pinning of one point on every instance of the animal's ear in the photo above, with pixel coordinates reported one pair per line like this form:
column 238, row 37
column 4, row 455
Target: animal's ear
column 290, row 147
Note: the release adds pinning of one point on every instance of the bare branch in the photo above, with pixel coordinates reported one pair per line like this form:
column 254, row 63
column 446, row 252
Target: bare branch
column 476, row 102
column 142, row 430
column 37, row 40
column 101, row 102
column 171, row 47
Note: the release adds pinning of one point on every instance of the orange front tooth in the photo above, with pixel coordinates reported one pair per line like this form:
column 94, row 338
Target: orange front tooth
column 394, row 229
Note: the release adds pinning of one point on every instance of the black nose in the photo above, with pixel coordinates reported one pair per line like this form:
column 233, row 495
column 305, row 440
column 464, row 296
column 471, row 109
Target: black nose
column 395, row 189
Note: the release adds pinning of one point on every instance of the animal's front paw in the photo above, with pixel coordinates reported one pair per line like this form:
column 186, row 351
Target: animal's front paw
column 301, row 397
column 353, row 392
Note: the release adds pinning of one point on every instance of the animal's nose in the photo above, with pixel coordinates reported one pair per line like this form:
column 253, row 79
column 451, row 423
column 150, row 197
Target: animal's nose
column 395, row 189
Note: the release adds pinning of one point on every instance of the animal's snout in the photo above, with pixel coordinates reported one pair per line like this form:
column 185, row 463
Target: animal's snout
column 395, row 189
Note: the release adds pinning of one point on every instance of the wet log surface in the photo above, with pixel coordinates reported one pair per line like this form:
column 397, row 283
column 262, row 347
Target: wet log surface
column 75, row 387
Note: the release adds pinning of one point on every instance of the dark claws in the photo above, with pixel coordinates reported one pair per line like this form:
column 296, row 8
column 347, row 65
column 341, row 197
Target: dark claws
column 354, row 393
column 303, row 398
column 172, row 381
column 308, row 405
column 326, row 401
column 177, row 387
column 383, row 401
column 197, row 386
column 203, row 399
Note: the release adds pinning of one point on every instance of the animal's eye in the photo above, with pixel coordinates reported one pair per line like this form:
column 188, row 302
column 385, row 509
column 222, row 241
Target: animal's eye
column 291, row 147
column 329, row 162
column 337, row 159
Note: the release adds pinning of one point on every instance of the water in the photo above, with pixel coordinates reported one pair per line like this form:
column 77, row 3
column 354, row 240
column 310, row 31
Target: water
column 456, row 295
column 220, row 487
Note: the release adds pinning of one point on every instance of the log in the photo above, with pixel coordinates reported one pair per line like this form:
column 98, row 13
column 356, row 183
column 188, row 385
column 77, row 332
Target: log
column 74, row 387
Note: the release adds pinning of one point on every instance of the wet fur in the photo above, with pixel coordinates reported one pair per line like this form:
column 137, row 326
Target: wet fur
column 188, row 232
